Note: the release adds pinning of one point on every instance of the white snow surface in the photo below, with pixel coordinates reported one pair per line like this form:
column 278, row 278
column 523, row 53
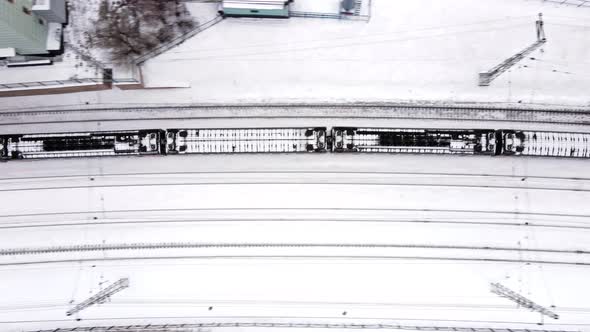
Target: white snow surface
column 310, row 198
column 409, row 51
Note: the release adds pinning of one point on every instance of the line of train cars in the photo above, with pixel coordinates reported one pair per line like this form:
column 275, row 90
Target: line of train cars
column 296, row 140
column 462, row 141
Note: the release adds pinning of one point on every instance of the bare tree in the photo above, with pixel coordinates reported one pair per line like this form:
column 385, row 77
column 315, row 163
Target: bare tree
column 129, row 28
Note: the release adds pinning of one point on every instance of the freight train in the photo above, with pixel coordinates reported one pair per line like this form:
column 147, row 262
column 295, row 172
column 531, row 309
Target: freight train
column 462, row 141
column 296, row 140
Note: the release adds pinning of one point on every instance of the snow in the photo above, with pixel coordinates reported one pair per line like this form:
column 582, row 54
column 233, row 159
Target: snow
column 317, row 6
column 54, row 36
column 404, row 53
column 252, row 4
column 387, row 58
column 431, row 206
column 7, row 52
column 78, row 61
column 216, row 284
column 71, row 68
column 321, row 198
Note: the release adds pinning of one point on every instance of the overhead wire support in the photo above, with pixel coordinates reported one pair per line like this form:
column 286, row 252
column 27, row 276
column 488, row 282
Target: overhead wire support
column 485, row 78
column 101, row 296
column 503, row 291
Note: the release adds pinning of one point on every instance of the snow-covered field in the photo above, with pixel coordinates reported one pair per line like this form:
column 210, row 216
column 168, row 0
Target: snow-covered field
column 410, row 51
column 412, row 240
column 290, row 116
column 415, row 209
column 405, row 52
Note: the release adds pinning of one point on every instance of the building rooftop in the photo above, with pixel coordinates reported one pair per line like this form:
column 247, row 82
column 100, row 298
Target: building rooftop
column 41, row 4
column 7, row 52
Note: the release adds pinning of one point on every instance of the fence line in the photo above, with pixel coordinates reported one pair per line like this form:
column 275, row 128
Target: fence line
column 282, row 323
column 329, row 15
column 177, row 41
column 54, row 83
column 356, row 16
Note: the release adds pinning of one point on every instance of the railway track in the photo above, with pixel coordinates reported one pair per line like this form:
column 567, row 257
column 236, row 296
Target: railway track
column 294, row 182
column 100, row 218
column 362, row 111
column 293, row 172
column 108, row 222
column 299, row 178
column 297, row 325
column 196, row 245
column 285, row 258
column 290, row 209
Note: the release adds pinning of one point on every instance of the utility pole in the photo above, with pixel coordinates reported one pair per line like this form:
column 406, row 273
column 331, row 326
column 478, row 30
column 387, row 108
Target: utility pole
column 101, row 296
column 487, row 77
column 498, row 289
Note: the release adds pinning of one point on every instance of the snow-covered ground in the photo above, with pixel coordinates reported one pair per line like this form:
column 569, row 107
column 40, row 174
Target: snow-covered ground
column 405, row 52
column 78, row 60
column 289, row 116
column 424, row 236
column 410, row 50
column 422, row 203
column 72, row 67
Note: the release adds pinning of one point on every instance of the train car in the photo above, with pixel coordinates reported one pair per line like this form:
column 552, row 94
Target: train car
column 546, row 144
column 88, row 144
column 398, row 140
column 247, row 140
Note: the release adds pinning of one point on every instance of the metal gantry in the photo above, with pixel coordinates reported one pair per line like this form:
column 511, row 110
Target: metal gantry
column 577, row 3
column 503, row 291
column 101, row 296
column 485, row 78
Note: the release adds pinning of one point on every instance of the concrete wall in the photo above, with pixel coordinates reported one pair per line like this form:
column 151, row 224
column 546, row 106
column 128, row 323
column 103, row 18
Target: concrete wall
column 52, row 10
column 20, row 30
column 53, row 91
